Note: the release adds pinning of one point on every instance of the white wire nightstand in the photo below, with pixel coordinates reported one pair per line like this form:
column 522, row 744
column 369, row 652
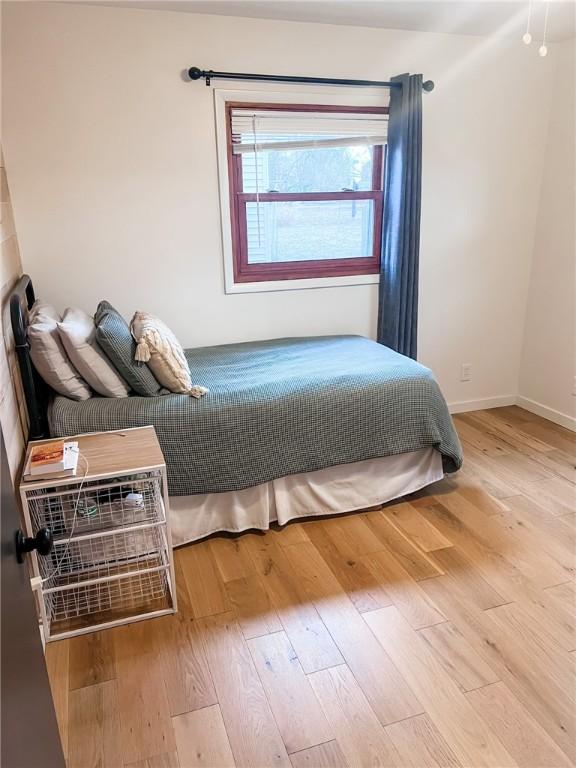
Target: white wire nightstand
column 111, row 561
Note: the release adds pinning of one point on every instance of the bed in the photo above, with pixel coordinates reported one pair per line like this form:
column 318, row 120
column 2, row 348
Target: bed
column 290, row 428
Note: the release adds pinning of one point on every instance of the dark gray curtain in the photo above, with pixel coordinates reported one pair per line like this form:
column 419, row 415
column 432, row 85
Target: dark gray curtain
column 398, row 294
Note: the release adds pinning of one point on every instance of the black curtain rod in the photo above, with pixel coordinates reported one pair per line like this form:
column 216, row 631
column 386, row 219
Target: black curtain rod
column 195, row 73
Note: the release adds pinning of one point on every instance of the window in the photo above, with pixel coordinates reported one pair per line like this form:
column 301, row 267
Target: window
column 306, row 190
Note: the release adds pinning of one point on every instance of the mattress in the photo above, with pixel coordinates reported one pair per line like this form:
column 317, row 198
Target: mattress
column 278, row 408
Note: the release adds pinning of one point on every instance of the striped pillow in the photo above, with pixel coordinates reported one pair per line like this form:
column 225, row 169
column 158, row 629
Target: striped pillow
column 113, row 335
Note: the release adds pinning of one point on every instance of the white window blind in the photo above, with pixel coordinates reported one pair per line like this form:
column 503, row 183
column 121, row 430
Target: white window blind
column 256, row 131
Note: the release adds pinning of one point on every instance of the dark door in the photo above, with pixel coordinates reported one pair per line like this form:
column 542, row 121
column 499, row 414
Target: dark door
column 30, row 736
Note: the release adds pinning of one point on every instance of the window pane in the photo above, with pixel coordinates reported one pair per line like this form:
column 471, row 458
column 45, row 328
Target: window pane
column 310, row 230
column 308, row 170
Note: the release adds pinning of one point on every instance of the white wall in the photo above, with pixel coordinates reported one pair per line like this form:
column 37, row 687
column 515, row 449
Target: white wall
column 112, row 164
column 548, row 371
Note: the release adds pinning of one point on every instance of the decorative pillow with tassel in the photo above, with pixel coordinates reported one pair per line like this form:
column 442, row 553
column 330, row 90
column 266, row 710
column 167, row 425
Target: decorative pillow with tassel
column 157, row 346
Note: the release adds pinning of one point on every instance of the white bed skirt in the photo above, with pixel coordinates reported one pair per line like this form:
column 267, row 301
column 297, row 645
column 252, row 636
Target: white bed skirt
column 332, row 491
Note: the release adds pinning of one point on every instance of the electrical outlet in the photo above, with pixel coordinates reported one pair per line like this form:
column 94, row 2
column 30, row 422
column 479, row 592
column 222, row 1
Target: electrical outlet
column 466, row 372
column 574, row 387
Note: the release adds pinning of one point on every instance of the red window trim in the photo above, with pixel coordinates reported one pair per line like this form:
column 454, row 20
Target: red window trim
column 298, row 270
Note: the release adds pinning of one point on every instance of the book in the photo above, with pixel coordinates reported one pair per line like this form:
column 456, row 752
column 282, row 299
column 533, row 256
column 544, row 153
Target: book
column 48, row 457
column 53, row 460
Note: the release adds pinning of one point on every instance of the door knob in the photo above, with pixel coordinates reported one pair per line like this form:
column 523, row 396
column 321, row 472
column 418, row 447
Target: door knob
column 42, row 542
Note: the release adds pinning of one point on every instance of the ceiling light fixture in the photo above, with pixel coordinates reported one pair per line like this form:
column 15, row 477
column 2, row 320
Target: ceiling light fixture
column 527, row 36
column 543, row 50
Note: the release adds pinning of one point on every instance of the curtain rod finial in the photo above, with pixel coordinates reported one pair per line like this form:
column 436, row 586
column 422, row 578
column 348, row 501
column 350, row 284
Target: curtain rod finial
column 428, row 85
column 195, row 73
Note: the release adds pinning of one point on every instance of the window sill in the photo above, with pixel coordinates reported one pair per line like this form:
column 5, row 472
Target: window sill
column 300, row 285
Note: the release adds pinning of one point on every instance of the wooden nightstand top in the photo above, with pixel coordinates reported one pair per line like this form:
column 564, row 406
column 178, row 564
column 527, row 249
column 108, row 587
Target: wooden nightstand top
column 120, row 452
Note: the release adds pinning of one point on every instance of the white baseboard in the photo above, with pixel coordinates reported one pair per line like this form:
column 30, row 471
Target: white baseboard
column 523, row 402
column 547, row 413
column 482, row 405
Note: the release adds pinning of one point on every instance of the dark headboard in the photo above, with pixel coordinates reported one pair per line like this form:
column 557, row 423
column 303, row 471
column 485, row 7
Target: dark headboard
column 36, row 392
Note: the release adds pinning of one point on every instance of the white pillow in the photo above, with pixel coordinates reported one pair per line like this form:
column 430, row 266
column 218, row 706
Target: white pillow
column 157, row 346
column 78, row 335
column 49, row 356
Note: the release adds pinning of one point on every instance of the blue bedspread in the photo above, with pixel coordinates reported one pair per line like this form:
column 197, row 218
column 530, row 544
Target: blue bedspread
column 280, row 407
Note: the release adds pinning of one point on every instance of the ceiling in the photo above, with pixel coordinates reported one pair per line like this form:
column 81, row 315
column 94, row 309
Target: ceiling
column 506, row 18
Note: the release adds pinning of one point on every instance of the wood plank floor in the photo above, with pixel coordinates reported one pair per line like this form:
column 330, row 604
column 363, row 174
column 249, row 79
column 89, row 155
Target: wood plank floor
column 436, row 631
